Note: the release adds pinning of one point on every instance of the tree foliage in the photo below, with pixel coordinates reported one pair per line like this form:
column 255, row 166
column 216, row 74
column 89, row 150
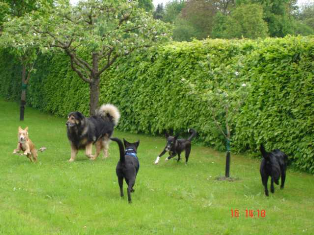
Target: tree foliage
column 236, row 19
column 104, row 30
column 159, row 12
column 200, row 14
column 173, row 10
column 147, row 5
column 245, row 21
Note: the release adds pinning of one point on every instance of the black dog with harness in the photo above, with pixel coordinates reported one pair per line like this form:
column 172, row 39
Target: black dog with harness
column 128, row 166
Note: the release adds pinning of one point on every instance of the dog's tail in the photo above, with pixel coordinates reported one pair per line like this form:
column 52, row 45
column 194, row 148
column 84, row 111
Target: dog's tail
column 263, row 151
column 42, row 149
column 111, row 111
column 121, row 148
column 193, row 132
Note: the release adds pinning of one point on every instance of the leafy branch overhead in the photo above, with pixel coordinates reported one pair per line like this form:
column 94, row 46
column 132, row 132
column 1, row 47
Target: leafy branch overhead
column 105, row 29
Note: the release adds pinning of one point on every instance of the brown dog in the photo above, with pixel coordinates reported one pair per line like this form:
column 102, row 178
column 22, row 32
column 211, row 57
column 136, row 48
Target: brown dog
column 26, row 145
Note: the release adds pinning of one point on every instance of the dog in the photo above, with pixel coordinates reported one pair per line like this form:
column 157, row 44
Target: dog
column 83, row 131
column 175, row 146
column 128, row 166
column 26, row 145
column 274, row 164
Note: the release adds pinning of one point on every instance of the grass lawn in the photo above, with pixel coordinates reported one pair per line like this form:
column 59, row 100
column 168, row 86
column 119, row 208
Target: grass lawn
column 54, row 196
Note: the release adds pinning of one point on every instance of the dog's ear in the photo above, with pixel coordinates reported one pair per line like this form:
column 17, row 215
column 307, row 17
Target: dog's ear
column 26, row 128
column 79, row 115
column 176, row 136
column 126, row 143
column 137, row 143
column 20, row 128
column 263, row 151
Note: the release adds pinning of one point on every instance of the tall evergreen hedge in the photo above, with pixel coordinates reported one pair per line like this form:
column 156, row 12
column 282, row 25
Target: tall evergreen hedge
column 150, row 91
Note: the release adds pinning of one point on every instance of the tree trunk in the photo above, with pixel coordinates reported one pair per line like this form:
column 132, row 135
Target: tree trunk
column 23, row 93
column 94, row 85
column 228, row 138
column 227, row 172
column 94, row 96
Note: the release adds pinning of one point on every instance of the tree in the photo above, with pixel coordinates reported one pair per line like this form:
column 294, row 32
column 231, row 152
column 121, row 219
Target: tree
column 306, row 15
column 224, row 92
column 183, row 30
column 147, row 5
column 244, row 21
column 200, row 14
column 220, row 25
column 4, row 10
column 172, row 10
column 94, row 34
column 278, row 16
column 25, row 50
column 159, row 12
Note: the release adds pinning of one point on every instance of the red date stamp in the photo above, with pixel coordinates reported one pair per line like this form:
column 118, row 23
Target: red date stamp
column 235, row 213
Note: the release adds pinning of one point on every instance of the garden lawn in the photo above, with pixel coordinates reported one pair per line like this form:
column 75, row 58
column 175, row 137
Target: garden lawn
column 54, row 196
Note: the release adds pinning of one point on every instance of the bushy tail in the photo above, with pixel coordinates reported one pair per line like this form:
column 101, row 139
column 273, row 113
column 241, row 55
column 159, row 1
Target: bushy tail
column 110, row 110
column 263, row 151
column 193, row 134
column 121, row 148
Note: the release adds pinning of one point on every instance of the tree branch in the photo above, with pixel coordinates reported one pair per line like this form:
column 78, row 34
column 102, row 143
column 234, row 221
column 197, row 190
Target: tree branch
column 81, row 75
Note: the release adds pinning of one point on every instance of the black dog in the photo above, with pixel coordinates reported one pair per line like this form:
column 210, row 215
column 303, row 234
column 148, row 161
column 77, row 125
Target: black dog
column 128, row 165
column 274, row 164
column 175, row 146
column 83, row 132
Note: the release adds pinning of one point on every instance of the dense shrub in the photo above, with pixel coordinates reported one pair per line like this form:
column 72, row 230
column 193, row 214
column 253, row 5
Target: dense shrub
column 150, row 91
column 279, row 110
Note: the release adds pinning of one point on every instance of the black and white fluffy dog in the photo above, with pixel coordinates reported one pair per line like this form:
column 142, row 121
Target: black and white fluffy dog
column 83, row 131
column 274, row 165
column 128, row 165
column 175, row 146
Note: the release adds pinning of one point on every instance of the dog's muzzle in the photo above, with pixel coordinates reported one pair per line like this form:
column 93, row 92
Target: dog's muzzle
column 69, row 124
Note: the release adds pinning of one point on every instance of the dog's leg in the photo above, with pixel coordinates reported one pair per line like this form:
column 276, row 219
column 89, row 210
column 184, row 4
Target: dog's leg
column 272, row 188
column 18, row 148
column 179, row 157
column 99, row 147
column 34, row 155
column 89, row 151
column 159, row 156
column 73, row 153
column 171, row 156
column 27, row 150
column 120, row 180
column 283, row 178
column 29, row 156
column 187, row 154
column 105, row 143
column 265, row 180
column 130, row 189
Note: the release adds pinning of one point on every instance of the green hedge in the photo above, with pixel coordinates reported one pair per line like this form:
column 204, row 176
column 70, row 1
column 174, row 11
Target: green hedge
column 150, row 91
column 279, row 110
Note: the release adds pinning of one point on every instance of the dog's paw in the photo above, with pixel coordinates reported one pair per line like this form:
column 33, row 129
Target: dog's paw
column 71, row 160
column 157, row 160
column 27, row 153
column 14, row 152
column 166, row 159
